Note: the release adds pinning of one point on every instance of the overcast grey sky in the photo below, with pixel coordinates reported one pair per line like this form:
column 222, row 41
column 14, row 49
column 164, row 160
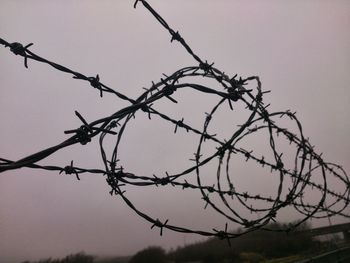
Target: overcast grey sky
column 300, row 50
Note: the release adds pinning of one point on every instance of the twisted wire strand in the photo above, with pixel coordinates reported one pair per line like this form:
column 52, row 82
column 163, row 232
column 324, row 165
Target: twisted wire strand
column 307, row 163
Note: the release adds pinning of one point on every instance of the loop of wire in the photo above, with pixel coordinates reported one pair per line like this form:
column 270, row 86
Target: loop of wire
column 307, row 163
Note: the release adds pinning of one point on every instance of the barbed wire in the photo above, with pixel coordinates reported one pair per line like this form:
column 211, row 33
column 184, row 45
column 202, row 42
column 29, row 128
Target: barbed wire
column 307, row 163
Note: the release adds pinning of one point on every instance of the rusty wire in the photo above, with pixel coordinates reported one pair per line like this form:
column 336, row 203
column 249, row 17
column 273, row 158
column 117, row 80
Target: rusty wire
column 307, row 163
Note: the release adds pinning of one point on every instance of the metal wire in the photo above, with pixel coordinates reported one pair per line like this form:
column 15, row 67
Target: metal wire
column 232, row 90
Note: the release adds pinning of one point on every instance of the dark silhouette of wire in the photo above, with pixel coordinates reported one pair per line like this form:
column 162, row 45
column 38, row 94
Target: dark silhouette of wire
column 307, row 163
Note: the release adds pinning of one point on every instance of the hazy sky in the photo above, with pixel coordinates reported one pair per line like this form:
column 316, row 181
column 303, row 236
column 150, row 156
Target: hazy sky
column 300, row 50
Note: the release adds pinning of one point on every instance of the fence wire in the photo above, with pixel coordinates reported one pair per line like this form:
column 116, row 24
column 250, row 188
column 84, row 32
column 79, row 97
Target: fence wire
column 307, row 163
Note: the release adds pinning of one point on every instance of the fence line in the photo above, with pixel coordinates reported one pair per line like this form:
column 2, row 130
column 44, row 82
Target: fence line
column 307, row 163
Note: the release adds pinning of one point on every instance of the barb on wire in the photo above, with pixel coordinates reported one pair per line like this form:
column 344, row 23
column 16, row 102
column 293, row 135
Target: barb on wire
column 308, row 164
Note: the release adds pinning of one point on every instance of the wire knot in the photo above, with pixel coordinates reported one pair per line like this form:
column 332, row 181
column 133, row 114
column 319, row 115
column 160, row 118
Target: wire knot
column 175, row 36
column 18, row 49
column 206, row 67
column 95, row 82
column 159, row 224
column 223, row 234
column 69, row 169
column 83, row 134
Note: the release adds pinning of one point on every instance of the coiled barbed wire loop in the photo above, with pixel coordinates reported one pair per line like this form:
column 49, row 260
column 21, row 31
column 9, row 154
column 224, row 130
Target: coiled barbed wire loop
column 295, row 178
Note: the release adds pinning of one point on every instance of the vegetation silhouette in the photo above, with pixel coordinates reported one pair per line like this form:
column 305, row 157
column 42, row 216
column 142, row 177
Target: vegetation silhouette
column 80, row 257
column 150, row 254
column 257, row 246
